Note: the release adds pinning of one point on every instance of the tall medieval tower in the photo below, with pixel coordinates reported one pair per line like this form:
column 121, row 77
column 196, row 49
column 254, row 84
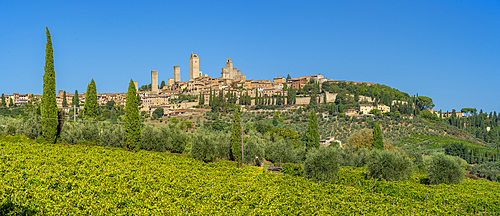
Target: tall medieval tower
column 194, row 66
column 229, row 67
column 154, row 81
column 177, row 73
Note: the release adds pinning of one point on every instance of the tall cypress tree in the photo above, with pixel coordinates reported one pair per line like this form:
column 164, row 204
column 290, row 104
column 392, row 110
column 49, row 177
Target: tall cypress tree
column 64, row 102
column 210, row 98
column 236, row 137
column 76, row 99
column 3, row 101
column 90, row 107
column 49, row 105
column 312, row 133
column 202, row 98
column 132, row 119
column 378, row 141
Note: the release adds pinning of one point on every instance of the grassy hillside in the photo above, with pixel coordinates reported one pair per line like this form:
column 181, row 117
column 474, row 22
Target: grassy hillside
column 50, row 179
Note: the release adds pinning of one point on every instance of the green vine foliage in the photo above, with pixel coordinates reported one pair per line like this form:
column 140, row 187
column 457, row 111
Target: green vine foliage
column 293, row 169
column 36, row 177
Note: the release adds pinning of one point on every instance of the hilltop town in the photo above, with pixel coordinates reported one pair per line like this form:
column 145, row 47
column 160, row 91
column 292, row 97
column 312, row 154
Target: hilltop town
column 231, row 79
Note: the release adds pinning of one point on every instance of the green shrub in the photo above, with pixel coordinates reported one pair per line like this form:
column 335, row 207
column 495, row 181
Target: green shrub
column 253, row 149
column 388, row 165
column 283, row 151
column 445, row 169
column 173, row 138
column 151, row 139
column 351, row 156
column 322, row 164
column 498, row 178
column 32, row 128
column 74, row 132
column 209, row 145
column 13, row 126
column 113, row 135
column 293, row 169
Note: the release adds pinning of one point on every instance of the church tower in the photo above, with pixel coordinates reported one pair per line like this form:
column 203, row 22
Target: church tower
column 194, row 66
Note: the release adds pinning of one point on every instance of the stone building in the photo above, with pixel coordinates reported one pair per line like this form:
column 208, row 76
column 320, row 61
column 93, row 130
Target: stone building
column 279, row 80
column 383, row 108
column 365, row 108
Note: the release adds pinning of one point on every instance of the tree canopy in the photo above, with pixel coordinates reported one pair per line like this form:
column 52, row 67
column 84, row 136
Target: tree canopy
column 424, row 102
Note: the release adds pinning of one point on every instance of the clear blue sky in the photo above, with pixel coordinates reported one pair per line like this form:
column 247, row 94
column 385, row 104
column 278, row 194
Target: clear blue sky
column 447, row 50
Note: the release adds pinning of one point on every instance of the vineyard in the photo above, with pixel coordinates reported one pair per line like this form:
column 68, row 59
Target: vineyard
column 47, row 179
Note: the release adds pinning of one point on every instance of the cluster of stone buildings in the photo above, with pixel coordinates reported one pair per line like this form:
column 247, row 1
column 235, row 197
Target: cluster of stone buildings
column 364, row 109
column 231, row 79
column 447, row 114
column 20, row 99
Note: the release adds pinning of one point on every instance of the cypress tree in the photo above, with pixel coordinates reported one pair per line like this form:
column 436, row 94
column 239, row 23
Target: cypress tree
column 132, row 119
column 90, row 107
column 256, row 96
column 49, row 105
column 236, row 137
column 313, row 100
column 64, row 102
column 324, row 98
column 378, row 141
column 76, row 99
column 201, row 100
column 221, row 98
column 11, row 103
column 3, row 100
column 312, row 133
column 283, row 98
column 210, row 98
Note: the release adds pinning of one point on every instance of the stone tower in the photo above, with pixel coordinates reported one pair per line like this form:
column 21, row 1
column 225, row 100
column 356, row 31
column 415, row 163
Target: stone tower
column 229, row 67
column 194, row 66
column 154, row 81
column 177, row 73
column 230, row 72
